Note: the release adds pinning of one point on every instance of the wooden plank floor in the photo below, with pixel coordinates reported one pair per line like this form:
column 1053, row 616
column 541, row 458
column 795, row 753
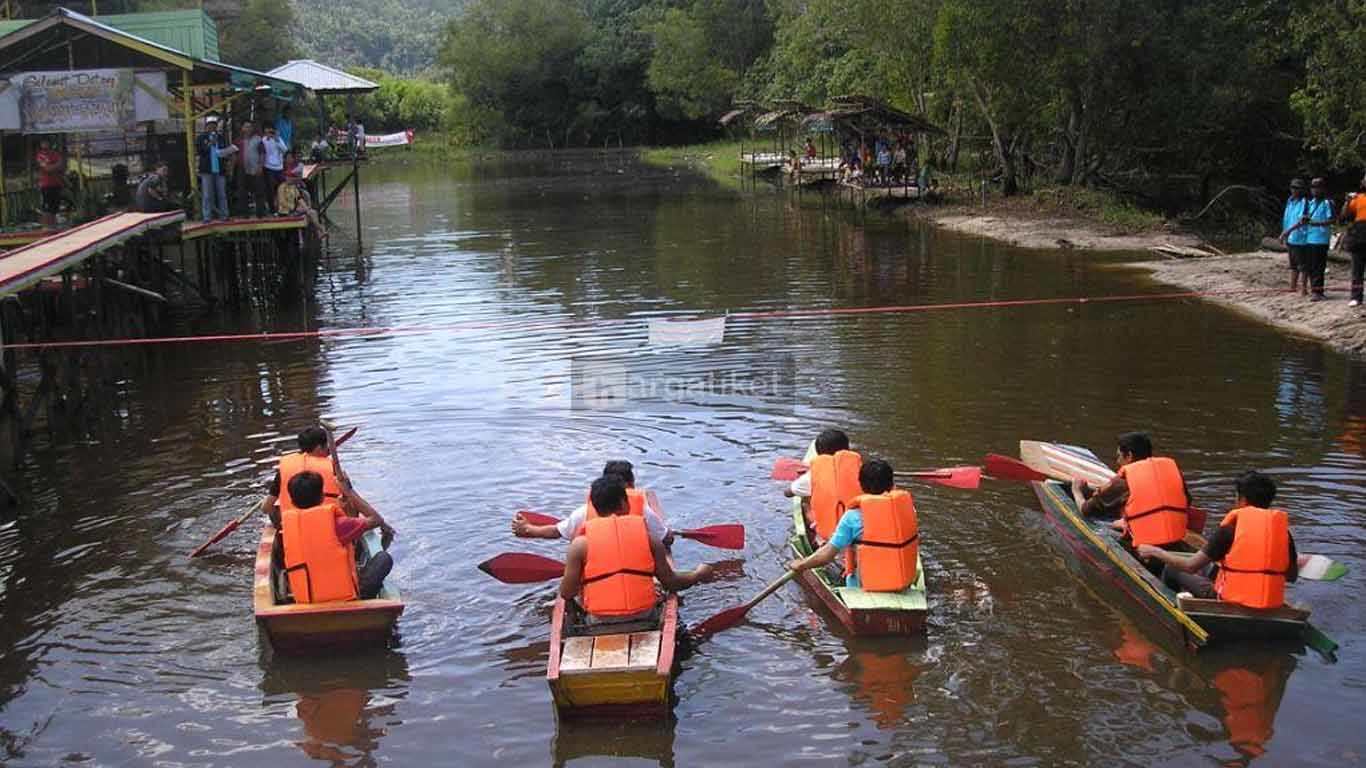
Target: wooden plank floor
column 193, row 230
column 22, row 267
column 639, row 650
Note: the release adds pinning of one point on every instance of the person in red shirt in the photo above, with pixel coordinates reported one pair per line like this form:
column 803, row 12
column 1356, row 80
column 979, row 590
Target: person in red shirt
column 50, row 181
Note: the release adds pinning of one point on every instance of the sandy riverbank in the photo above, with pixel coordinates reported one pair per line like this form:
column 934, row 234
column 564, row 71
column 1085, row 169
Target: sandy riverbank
column 1052, row 232
column 1330, row 321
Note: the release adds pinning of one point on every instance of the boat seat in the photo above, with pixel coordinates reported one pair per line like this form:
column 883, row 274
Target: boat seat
column 621, row 651
column 1286, row 612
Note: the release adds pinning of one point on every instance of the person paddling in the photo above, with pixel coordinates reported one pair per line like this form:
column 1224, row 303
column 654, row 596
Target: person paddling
column 880, row 534
column 1253, row 549
column 637, row 500
column 831, row 483
column 1148, row 494
column 611, row 566
column 312, row 456
column 319, row 545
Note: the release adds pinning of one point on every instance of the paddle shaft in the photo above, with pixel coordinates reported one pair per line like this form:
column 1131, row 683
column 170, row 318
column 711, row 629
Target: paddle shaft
column 771, row 588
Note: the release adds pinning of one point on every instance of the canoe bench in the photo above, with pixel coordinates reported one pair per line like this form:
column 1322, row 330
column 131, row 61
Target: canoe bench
column 592, row 653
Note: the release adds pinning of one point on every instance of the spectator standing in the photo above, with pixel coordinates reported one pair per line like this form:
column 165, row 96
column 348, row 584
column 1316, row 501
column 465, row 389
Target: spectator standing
column 1354, row 239
column 1319, row 223
column 810, row 149
column 151, row 196
column 51, row 179
column 214, row 153
column 1296, row 208
column 284, row 128
column 274, row 159
column 360, row 137
column 251, row 175
column 317, row 152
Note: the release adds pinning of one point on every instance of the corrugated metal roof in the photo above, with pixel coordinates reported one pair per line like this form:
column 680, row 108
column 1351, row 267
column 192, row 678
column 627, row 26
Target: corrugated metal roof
column 191, row 32
column 321, row 78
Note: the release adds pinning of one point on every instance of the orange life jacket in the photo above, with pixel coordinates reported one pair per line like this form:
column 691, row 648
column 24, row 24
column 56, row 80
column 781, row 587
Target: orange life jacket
column 889, row 547
column 294, row 463
column 1253, row 571
column 319, row 566
column 834, row 485
column 633, row 497
column 619, row 569
column 1156, row 507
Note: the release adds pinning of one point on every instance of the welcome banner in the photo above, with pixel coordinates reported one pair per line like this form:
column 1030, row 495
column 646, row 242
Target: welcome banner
column 77, row 101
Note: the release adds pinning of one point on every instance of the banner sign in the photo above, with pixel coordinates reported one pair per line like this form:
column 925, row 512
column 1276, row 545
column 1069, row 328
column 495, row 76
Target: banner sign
column 82, row 100
column 390, row 139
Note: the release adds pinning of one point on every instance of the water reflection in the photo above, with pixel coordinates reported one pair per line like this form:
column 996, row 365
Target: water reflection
column 346, row 705
column 578, row 741
column 882, row 674
column 1241, row 684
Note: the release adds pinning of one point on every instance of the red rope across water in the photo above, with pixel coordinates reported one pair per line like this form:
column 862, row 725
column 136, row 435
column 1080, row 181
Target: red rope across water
column 753, row 315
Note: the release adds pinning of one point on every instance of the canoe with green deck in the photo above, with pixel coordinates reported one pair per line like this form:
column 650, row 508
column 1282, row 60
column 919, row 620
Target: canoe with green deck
column 860, row 612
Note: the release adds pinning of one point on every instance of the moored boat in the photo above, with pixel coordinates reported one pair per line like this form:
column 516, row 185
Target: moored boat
column 1097, row 554
column 621, row 669
column 305, row 628
column 858, row 611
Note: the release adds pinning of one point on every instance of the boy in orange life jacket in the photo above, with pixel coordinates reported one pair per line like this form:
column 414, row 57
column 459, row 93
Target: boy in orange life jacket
column 324, row 566
column 827, row 443
column 612, row 566
column 885, row 565
column 566, row 528
column 1253, row 548
column 1148, row 494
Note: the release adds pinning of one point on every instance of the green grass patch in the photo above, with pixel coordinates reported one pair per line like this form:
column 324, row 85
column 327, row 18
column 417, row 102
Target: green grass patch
column 1096, row 205
column 718, row 159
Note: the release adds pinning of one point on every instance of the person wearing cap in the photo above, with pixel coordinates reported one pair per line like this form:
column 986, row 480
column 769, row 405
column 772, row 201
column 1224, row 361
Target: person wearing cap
column 1296, row 206
column 214, row 153
column 1317, row 222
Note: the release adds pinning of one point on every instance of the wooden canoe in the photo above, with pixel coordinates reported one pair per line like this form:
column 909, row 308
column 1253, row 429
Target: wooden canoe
column 1099, row 557
column 860, row 613
column 318, row 627
column 617, row 670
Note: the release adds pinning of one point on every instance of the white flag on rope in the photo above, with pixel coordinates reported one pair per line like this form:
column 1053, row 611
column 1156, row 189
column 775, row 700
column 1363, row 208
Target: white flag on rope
column 687, row 333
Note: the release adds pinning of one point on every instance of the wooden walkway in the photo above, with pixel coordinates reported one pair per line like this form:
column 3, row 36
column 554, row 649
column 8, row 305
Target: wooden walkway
column 23, row 267
column 197, row 229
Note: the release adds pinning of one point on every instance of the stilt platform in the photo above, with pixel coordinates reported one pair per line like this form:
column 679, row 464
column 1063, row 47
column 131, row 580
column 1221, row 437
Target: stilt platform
column 197, row 229
column 25, row 266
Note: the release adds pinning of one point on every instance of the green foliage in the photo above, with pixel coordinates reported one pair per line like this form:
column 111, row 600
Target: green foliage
column 261, row 37
column 1332, row 98
column 684, row 73
column 400, row 36
column 399, row 103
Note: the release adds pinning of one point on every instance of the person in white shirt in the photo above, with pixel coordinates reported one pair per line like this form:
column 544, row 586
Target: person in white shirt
column 827, row 442
column 567, row 528
column 274, row 161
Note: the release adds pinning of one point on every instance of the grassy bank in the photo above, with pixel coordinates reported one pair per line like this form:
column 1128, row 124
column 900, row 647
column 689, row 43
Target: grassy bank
column 719, row 160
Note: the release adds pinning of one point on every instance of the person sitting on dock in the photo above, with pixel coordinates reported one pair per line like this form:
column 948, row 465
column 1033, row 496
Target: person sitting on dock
column 832, row 483
column 880, row 534
column 1148, row 494
column 151, row 196
column 319, row 545
column 638, row 501
column 611, row 566
column 1253, row 549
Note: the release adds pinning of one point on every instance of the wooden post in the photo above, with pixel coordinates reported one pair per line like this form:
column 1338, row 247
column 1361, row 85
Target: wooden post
column 188, row 107
column 355, row 168
column 4, row 189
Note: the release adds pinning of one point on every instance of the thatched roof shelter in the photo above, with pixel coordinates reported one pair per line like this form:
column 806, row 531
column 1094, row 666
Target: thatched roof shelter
column 864, row 114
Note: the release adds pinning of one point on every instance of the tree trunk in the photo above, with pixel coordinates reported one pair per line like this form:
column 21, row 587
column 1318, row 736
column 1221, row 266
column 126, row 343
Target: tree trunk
column 955, row 138
column 1000, row 145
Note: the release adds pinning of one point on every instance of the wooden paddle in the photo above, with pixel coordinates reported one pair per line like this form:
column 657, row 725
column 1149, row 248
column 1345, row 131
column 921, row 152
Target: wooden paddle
column 724, row 536
column 787, row 469
column 1312, row 567
column 522, row 568
column 237, row 523
column 732, row 616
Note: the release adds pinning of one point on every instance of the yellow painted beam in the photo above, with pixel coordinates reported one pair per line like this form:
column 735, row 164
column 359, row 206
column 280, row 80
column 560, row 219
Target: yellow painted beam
column 188, row 113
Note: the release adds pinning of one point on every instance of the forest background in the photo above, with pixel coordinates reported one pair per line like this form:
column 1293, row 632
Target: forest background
column 1168, row 100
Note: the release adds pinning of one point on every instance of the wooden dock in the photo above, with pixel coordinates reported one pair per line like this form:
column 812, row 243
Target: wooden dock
column 25, row 266
column 198, row 229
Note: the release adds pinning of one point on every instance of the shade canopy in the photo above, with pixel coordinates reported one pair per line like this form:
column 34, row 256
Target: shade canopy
column 322, row 79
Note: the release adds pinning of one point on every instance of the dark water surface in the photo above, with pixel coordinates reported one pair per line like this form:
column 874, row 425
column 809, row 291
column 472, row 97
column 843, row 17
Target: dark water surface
column 118, row 650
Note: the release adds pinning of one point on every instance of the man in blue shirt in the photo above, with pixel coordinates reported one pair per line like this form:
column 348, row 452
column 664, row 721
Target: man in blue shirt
column 875, row 477
column 1295, row 208
column 1318, row 226
column 214, row 154
column 284, row 128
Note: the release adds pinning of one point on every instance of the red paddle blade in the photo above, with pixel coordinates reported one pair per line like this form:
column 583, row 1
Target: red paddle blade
column 536, row 518
column 217, row 537
column 968, row 478
column 787, row 469
column 522, row 568
column 726, row 536
column 1007, row 468
column 723, row 620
